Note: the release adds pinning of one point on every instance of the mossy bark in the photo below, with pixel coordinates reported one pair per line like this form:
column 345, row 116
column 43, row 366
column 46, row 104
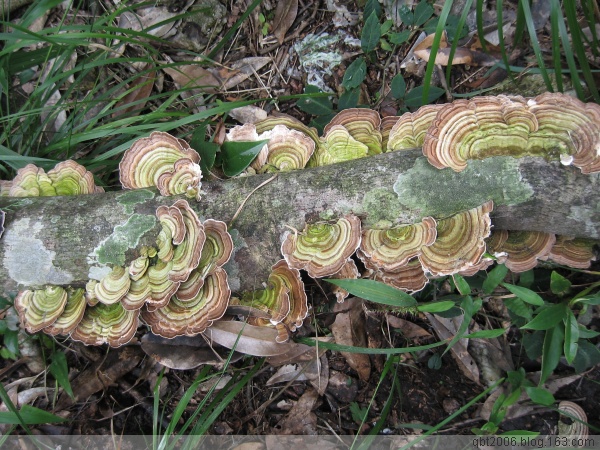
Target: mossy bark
column 68, row 240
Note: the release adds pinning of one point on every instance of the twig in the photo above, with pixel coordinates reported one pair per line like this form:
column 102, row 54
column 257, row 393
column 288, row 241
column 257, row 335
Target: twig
column 248, row 196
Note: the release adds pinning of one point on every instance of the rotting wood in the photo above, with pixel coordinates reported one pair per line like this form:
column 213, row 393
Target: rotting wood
column 68, row 240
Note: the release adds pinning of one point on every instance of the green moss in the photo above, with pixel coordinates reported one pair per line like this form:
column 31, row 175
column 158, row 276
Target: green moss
column 496, row 178
column 112, row 249
column 131, row 198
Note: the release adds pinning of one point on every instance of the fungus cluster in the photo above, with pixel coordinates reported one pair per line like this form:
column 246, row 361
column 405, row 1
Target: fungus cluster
column 179, row 286
column 553, row 126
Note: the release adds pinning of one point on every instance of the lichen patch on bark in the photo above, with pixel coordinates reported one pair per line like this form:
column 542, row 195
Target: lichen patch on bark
column 27, row 260
column 124, row 237
column 131, row 198
column 428, row 191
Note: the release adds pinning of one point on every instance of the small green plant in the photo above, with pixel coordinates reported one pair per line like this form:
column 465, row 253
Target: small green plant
column 9, row 330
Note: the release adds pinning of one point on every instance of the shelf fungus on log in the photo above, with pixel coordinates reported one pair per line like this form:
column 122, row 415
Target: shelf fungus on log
column 460, row 242
column 520, row 250
column 40, row 308
column 392, row 248
column 66, row 178
column 322, row 248
column 186, row 255
column 574, row 252
column 553, row 126
column 410, row 278
column 153, row 161
column 191, row 317
column 113, row 287
column 410, row 129
column 349, row 271
column 106, row 324
column 336, row 146
column 71, row 315
column 363, row 125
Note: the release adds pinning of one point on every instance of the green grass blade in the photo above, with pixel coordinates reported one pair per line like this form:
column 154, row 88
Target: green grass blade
column 520, row 22
column 434, row 49
column 479, row 20
column 575, row 29
column 535, row 44
column 568, row 51
column 556, row 49
column 501, row 44
column 459, row 27
column 12, row 408
column 369, row 351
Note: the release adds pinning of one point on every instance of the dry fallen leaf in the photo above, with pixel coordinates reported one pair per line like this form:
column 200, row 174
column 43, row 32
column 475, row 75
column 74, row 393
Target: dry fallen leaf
column 248, row 114
column 300, row 420
column 184, row 352
column 192, row 76
column 140, row 88
column 239, row 71
column 285, row 14
column 349, row 329
column 408, row 329
column 248, row 339
column 447, row 329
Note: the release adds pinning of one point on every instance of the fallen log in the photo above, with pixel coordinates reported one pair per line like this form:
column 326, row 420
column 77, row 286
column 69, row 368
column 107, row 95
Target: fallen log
column 69, row 240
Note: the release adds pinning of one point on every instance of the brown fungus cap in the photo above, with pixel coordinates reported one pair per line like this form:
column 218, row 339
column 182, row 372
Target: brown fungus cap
column 322, row 248
column 184, row 179
column 148, row 158
column 218, row 247
column 522, row 249
column 71, row 315
column 409, row 130
column 460, row 242
column 40, row 308
column 392, row 248
column 106, row 324
column 362, row 124
column 290, row 278
column 409, row 278
column 186, row 256
column 113, row 287
column 192, row 317
column 287, row 149
column 573, row 252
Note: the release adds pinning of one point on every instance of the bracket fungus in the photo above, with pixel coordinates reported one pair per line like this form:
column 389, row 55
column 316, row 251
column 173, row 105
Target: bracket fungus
column 106, row 324
column 153, row 161
column 40, row 308
column 362, row 124
column 66, row 178
column 573, row 252
column 71, row 314
column 337, row 145
column 460, row 242
column 392, row 248
column 192, row 317
column 113, row 287
column 409, row 278
column 322, row 248
column 410, row 129
column 520, row 250
column 554, row 126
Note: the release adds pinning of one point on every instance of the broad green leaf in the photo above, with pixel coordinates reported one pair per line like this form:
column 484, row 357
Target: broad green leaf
column 358, row 414
column 11, row 341
column 355, row 73
column 414, row 97
column 486, row 333
column 376, row 291
column 552, row 351
column 423, row 12
column 316, row 105
column 533, row 344
column 586, row 333
column 571, row 336
column 208, row 156
column 435, row 362
column 518, row 307
column 406, row 15
column 526, row 278
column 385, row 45
column 547, row 318
column 589, row 300
column 494, row 277
column 371, row 33
column 540, row 396
column 399, row 38
column 349, row 99
column 588, row 355
column 398, row 87
column 30, row 416
column 238, row 155
column 461, row 284
column 436, row 307
column 386, row 26
column 60, row 371
column 4, row 302
column 527, row 295
column 559, row 285
column 372, row 6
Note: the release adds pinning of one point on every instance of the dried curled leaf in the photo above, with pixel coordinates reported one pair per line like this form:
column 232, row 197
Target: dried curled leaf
column 322, row 248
